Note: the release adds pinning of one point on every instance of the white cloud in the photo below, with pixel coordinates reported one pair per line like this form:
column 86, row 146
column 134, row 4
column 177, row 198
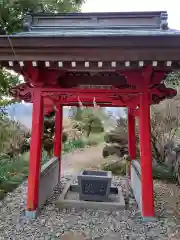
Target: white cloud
column 139, row 5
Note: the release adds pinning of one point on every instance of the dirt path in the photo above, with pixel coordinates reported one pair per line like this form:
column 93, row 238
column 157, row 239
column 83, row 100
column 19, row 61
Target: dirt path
column 86, row 158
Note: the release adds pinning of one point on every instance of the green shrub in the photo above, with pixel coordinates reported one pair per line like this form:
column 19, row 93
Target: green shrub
column 116, row 136
column 8, row 186
column 79, row 143
column 116, row 167
column 114, row 149
column 92, row 123
column 12, row 172
column 18, row 178
column 25, row 147
column 69, row 146
column 162, row 172
column 105, row 153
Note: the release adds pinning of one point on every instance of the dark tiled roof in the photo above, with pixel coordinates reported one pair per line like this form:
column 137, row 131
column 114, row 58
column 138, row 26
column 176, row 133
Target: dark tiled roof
column 97, row 24
column 94, row 33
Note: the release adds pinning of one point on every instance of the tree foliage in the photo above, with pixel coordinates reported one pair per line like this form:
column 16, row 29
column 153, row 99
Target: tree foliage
column 12, row 137
column 117, row 140
column 165, row 121
column 12, row 11
column 49, row 131
column 7, row 80
column 90, row 120
column 173, row 79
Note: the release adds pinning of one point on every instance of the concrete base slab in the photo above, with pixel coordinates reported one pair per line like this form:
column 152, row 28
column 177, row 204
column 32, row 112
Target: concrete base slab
column 70, row 198
column 31, row 214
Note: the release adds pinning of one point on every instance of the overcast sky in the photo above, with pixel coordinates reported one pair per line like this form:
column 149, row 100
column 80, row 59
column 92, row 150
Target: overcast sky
column 171, row 6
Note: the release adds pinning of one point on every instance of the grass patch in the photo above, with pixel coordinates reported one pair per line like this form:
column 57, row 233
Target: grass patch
column 12, row 173
column 69, row 146
column 94, row 139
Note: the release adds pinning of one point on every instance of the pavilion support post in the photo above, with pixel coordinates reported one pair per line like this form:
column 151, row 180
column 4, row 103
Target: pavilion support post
column 35, row 156
column 131, row 137
column 58, row 135
column 131, row 134
column 147, row 198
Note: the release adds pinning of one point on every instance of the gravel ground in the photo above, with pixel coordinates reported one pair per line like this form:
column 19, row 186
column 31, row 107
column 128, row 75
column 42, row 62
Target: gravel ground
column 54, row 223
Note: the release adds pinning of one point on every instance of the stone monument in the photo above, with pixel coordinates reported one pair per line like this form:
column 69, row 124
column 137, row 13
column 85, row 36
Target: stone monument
column 94, row 185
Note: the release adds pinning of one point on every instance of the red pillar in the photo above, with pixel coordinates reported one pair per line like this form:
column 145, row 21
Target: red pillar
column 147, row 199
column 58, row 135
column 131, row 134
column 35, row 153
column 131, row 137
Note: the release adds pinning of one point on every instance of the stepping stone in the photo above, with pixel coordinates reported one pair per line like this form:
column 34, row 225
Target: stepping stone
column 72, row 236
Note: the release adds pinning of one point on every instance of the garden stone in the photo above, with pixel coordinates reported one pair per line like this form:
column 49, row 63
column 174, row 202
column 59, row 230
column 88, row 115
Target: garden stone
column 58, row 234
column 43, row 221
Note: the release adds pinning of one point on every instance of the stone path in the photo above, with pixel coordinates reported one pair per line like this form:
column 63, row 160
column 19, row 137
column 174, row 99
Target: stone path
column 86, row 158
column 83, row 224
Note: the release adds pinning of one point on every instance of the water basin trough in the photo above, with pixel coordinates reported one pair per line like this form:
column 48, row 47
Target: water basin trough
column 92, row 189
column 94, row 185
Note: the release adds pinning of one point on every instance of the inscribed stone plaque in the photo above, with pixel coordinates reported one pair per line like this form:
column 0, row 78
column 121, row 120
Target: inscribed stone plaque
column 94, row 187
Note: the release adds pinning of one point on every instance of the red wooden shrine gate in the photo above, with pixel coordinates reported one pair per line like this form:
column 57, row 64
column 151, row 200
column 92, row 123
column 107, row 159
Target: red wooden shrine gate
column 124, row 57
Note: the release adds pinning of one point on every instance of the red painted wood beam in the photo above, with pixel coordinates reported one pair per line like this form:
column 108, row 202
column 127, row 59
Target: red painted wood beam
column 157, row 77
column 35, row 153
column 99, row 104
column 134, row 78
column 117, row 81
column 147, row 76
column 92, row 92
column 135, row 112
column 116, row 100
column 89, row 100
column 146, row 158
column 131, row 136
column 58, row 135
